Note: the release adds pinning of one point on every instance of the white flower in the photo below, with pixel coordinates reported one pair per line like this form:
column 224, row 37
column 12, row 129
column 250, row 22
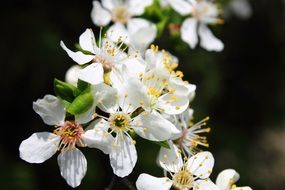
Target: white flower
column 226, row 180
column 190, row 137
column 140, row 32
column 204, row 12
column 160, row 88
column 150, row 94
column 164, row 60
column 67, row 135
column 106, row 57
column 192, row 174
column 151, row 126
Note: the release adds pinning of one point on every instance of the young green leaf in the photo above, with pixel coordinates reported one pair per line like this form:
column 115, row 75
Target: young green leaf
column 64, row 90
column 82, row 85
column 164, row 144
column 81, row 103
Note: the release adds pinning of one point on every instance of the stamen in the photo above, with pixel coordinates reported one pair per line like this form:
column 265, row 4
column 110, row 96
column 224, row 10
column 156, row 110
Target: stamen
column 70, row 133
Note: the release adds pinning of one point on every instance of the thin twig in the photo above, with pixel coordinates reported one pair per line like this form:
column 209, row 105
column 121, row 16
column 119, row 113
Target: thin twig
column 112, row 182
column 128, row 183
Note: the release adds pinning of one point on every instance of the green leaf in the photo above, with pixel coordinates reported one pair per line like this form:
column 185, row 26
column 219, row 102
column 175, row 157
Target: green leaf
column 81, row 103
column 82, row 85
column 164, row 144
column 64, row 90
column 161, row 26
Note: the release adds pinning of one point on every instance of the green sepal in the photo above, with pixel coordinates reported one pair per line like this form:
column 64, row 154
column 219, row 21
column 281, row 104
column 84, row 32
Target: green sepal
column 132, row 133
column 77, row 46
column 81, row 103
column 64, row 90
column 164, row 144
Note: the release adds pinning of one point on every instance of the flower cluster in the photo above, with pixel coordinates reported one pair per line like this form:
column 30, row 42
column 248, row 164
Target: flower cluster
column 121, row 90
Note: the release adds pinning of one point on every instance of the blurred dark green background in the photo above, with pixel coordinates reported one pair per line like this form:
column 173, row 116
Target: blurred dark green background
column 241, row 89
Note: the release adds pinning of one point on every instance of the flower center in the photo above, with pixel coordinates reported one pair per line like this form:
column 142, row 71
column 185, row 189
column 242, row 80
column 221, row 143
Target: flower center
column 120, row 122
column 120, row 14
column 70, row 134
column 183, row 180
column 105, row 63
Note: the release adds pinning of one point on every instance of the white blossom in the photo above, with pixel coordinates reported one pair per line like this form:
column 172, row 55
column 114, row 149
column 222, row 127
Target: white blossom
column 104, row 58
column 226, row 180
column 192, row 174
column 202, row 12
column 140, row 32
column 121, row 121
column 65, row 138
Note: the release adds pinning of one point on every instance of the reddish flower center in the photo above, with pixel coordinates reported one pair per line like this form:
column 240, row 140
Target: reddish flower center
column 70, row 133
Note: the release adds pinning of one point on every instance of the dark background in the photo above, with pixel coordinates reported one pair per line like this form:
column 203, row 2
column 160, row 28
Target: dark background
column 241, row 89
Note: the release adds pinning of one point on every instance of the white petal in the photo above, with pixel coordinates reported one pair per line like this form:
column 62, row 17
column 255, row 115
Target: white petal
column 123, row 156
column 154, row 127
column 142, row 33
column 97, row 136
column 92, row 74
column 106, row 97
column 99, row 15
column 87, row 41
column 87, row 115
column 51, row 110
column 170, row 159
column 181, row 6
column 148, row 182
column 170, row 106
column 154, row 59
column 136, row 7
column 73, row 166
column 134, row 67
column 226, row 178
column 181, row 87
column 71, row 75
column 206, row 184
column 201, row 164
column 135, row 98
column 78, row 56
column 118, row 76
column 116, row 31
column 189, row 32
column 109, row 4
column 39, row 147
column 208, row 40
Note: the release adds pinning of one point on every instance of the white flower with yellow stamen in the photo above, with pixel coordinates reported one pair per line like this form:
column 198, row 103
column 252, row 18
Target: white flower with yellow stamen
column 104, row 58
column 190, row 138
column 160, row 87
column 151, row 126
column 65, row 138
column 140, row 32
column 193, row 173
column 226, row 180
column 164, row 60
column 153, row 93
column 203, row 12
